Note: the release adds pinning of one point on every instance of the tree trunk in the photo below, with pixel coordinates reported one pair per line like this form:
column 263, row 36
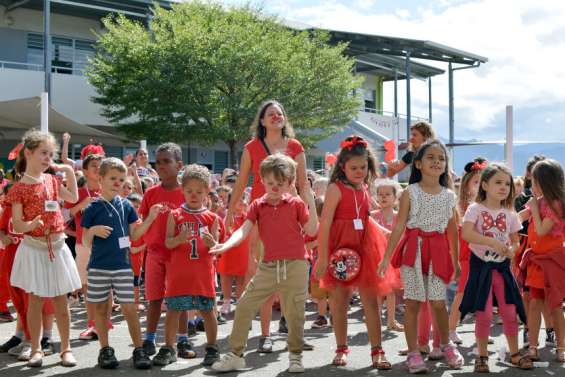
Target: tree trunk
column 233, row 157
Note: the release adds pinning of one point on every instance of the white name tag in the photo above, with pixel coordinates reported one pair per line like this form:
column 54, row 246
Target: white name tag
column 357, row 224
column 124, row 242
column 202, row 230
column 51, row 206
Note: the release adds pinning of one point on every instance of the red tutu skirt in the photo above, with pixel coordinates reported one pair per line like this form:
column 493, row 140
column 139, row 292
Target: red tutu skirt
column 370, row 244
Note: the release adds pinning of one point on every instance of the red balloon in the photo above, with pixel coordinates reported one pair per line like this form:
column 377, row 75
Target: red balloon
column 330, row 158
column 345, row 264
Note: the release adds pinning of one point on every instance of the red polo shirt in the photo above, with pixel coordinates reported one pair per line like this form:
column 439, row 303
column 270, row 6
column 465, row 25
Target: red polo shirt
column 280, row 227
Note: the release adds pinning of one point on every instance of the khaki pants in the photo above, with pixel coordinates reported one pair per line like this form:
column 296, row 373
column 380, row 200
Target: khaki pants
column 290, row 279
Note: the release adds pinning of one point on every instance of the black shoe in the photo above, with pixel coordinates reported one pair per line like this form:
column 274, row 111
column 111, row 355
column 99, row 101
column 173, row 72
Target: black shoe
column 12, row 342
column 550, row 337
column 140, row 359
column 47, row 347
column 165, row 356
column 212, row 355
column 149, row 347
column 282, row 326
column 200, row 324
column 185, row 350
column 265, row 345
column 191, row 328
column 107, row 358
column 221, row 320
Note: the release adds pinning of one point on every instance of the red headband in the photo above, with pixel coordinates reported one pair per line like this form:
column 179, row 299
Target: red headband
column 14, row 152
column 479, row 165
column 354, row 141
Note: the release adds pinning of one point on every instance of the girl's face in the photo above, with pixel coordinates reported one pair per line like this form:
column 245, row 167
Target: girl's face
column 41, row 157
column 473, row 186
column 433, row 162
column 126, row 190
column 273, row 119
column 416, row 138
column 498, row 186
column 385, row 196
column 536, row 189
column 142, row 157
column 356, row 170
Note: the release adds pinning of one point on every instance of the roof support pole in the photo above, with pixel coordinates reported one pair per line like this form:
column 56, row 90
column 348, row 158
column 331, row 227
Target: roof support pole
column 430, row 99
column 408, row 102
column 451, row 109
column 395, row 94
column 46, row 94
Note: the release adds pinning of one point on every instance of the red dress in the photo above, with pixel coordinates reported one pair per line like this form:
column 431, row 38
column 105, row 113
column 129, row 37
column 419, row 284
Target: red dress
column 464, row 257
column 234, row 261
column 369, row 242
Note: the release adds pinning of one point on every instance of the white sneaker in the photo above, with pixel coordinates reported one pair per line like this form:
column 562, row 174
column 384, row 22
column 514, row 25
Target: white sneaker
column 16, row 350
column 226, row 307
column 295, row 363
column 25, row 354
column 230, row 361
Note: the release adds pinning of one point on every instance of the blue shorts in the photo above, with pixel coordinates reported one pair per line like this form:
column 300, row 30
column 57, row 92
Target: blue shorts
column 182, row 303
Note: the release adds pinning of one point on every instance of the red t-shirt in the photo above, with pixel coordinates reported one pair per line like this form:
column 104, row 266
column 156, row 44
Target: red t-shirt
column 170, row 199
column 136, row 259
column 190, row 270
column 6, row 221
column 280, row 227
column 83, row 193
column 258, row 154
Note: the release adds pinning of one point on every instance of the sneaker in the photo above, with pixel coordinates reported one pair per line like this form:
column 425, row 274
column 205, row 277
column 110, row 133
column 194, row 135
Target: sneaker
column 229, row 362
column 140, row 359
column 191, row 328
column 415, row 363
column 12, row 342
column 452, row 356
column 47, row 347
column 550, row 337
column 200, row 324
column 25, row 352
column 295, row 363
column 185, row 350
column 226, row 308
column 6, row 317
column 166, row 356
column 88, row 334
column 149, row 347
column 17, row 349
column 525, row 339
column 221, row 320
column 307, row 346
column 283, row 329
column 436, row 354
column 320, row 322
column 107, row 358
column 212, row 355
column 454, row 337
column 265, row 345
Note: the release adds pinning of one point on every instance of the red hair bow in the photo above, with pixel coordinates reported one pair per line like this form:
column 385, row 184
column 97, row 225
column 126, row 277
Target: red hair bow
column 352, row 142
column 91, row 149
column 479, row 165
column 14, row 152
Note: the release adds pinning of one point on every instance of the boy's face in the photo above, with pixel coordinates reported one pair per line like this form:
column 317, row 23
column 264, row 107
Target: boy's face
column 91, row 173
column 275, row 188
column 167, row 166
column 195, row 193
column 113, row 182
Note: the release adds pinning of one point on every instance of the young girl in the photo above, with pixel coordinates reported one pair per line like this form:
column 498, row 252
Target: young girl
column 346, row 224
column 467, row 194
column 137, row 252
column 43, row 266
column 545, row 261
column 387, row 193
column 490, row 226
column 426, row 220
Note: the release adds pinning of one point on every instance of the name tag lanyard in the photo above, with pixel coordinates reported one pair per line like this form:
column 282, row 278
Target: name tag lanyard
column 357, row 223
column 121, row 218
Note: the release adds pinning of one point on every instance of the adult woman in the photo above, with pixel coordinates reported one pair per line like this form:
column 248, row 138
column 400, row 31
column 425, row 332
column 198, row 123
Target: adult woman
column 144, row 169
column 419, row 133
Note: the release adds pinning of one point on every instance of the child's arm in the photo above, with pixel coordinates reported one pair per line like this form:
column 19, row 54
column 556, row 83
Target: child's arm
column 172, row 241
column 472, row 236
column 136, row 180
column 68, row 193
column 235, row 239
column 102, row 231
column 65, row 151
column 311, row 226
column 542, row 226
column 138, row 230
column 80, row 206
column 397, row 232
column 383, row 230
column 21, row 226
column 137, row 249
column 5, row 239
column 453, row 236
column 333, row 196
column 524, row 214
column 514, row 245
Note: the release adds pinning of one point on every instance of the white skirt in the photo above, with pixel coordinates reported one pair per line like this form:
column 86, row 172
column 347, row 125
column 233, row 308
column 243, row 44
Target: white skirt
column 35, row 273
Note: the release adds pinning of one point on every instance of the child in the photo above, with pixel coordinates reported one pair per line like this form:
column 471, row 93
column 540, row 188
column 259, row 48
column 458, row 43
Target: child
column 168, row 158
column 233, row 265
column 346, row 224
column 191, row 230
column 467, row 194
column 320, row 294
column 281, row 220
column 490, row 226
column 108, row 222
column 43, row 266
column 137, row 253
column 387, row 193
column 545, row 261
column 427, row 217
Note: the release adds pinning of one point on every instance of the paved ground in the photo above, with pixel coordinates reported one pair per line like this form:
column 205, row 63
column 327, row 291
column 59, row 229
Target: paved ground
column 317, row 362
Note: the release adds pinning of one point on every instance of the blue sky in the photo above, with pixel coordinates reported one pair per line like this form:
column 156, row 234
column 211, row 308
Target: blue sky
column 522, row 39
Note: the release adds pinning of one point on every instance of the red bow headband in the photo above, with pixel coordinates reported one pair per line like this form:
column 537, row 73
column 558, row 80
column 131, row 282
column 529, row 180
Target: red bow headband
column 15, row 151
column 91, row 149
column 354, row 141
column 479, row 165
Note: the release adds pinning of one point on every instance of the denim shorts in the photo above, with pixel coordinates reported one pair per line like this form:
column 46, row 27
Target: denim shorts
column 182, row 303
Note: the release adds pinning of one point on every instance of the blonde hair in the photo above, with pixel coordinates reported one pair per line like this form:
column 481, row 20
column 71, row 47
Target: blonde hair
column 197, row 172
column 380, row 183
column 280, row 165
column 31, row 141
column 112, row 163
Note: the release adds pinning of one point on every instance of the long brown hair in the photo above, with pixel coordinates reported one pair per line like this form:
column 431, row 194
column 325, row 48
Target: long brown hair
column 488, row 173
column 31, row 141
column 358, row 148
column 257, row 128
column 548, row 175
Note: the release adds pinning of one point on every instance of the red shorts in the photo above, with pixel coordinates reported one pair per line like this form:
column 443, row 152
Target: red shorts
column 155, row 275
column 537, row 293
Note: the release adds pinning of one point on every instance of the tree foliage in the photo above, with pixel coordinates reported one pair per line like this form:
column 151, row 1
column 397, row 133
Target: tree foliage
column 200, row 72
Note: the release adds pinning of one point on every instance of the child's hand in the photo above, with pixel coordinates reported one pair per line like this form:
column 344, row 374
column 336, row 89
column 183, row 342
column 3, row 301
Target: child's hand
column 132, row 170
column 382, row 267
column 155, row 210
column 66, row 137
column 102, row 231
column 128, row 159
column 210, row 238
column 533, row 204
column 35, row 223
column 500, row 247
column 456, row 271
column 62, row 168
column 184, row 234
column 85, row 202
column 218, row 249
column 320, row 268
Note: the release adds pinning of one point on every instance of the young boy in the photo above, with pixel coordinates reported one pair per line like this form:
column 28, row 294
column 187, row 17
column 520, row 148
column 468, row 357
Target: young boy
column 282, row 219
column 191, row 230
column 108, row 223
column 168, row 193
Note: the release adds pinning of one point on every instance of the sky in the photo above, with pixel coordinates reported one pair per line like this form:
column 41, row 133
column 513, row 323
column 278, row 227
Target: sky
column 524, row 41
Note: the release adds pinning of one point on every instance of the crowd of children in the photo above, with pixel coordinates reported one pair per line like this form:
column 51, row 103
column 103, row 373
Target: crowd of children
column 119, row 233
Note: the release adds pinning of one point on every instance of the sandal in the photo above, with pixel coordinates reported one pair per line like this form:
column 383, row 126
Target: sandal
column 35, row 359
column 481, row 365
column 379, row 360
column 68, row 359
column 395, row 326
column 533, row 353
column 521, row 361
column 340, row 358
column 424, row 350
column 560, row 354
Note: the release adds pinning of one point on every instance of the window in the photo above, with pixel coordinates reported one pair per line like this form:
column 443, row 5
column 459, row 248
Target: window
column 84, row 50
column 315, row 163
column 220, row 161
column 370, row 100
column 70, row 56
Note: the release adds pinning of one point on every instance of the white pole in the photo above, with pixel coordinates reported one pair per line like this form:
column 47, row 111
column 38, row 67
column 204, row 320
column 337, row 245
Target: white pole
column 509, row 136
column 44, row 112
column 396, row 138
column 143, row 144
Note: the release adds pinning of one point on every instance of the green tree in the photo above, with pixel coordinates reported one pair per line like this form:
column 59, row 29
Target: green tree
column 201, row 71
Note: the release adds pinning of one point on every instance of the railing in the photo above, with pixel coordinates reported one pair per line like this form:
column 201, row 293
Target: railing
column 391, row 114
column 39, row 67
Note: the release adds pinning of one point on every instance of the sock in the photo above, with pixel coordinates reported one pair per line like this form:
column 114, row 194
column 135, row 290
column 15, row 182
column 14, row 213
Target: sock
column 182, row 338
column 150, row 336
column 47, row 333
column 19, row 334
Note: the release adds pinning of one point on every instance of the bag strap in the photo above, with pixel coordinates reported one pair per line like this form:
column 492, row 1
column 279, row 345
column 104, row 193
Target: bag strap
column 265, row 146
